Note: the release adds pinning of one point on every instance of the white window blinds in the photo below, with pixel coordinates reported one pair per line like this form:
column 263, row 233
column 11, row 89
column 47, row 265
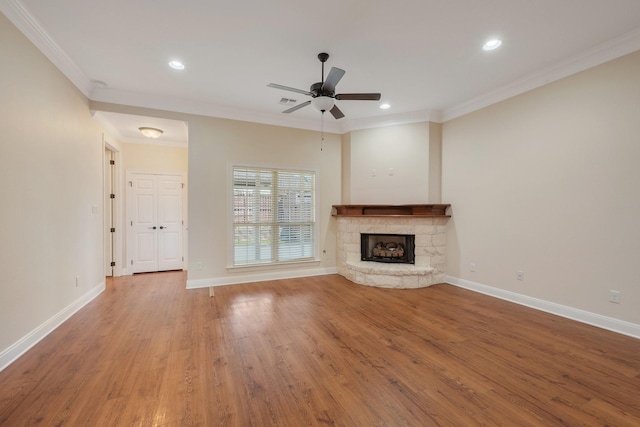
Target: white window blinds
column 273, row 215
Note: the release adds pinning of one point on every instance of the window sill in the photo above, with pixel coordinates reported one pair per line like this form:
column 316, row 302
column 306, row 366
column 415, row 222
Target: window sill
column 272, row 266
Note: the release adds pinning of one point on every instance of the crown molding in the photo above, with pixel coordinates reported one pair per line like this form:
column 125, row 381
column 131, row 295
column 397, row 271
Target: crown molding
column 205, row 109
column 392, row 120
column 146, row 100
column 600, row 54
column 20, row 16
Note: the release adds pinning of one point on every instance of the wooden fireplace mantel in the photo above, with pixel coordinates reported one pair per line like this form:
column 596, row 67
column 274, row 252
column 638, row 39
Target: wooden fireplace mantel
column 415, row 211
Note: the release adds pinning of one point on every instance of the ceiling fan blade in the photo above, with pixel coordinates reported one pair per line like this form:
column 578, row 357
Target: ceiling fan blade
column 358, row 96
column 335, row 111
column 332, row 79
column 291, row 89
column 297, row 107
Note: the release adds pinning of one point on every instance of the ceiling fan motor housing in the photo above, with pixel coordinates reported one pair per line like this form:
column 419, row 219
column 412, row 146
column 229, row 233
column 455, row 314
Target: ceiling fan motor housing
column 316, row 90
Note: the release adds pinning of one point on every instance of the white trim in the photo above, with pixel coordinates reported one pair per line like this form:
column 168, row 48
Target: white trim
column 272, row 265
column 13, row 352
column 231, row 165
column 118, row 237
column 189, row 106
column 593, row 319
column 20, row 16
column 129, row 173
column 600, row 54
column 259, row 277
column 351, row 125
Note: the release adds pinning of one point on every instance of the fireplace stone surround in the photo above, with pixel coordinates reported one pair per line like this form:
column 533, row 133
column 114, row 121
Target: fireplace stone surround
column 426, row 222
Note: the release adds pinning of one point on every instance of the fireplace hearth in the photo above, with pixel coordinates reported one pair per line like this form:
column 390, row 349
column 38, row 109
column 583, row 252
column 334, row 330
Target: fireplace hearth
column 427, row 223
column 391, row 248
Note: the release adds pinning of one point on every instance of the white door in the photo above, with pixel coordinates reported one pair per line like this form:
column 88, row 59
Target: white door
column 170, row 222
column 156, row 222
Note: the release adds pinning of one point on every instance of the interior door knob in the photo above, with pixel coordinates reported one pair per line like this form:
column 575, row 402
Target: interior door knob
column 153, row 228
column 162, row 227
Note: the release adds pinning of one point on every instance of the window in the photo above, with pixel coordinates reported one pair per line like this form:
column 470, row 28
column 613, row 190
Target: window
column 273, row 215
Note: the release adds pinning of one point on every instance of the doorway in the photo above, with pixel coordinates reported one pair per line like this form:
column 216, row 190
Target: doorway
column 155, row 221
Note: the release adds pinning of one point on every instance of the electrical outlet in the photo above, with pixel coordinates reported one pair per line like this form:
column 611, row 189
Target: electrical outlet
column 614, row 297
column 472, row 267
column 520, row 275
column 198, row 265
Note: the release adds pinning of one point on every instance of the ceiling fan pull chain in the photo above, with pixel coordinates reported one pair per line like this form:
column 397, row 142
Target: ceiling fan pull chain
column 321, row 130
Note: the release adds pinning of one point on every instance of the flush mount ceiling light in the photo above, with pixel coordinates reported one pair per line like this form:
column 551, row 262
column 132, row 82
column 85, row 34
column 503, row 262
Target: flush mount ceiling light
column 176, row 65
column 322, row 103
column 492, row 44
column 385, row 106
column 150, row 132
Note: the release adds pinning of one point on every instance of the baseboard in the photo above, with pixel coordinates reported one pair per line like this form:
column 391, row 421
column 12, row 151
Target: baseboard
column 16, row 350
column 259, row 277
column 593, row 319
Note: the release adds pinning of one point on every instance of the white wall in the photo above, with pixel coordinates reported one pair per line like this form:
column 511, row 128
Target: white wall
column 547, row 183
column 51, row 181
column 389, row 165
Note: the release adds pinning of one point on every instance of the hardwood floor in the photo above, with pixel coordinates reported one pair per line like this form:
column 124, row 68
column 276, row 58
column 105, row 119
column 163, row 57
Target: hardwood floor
column 319, row 351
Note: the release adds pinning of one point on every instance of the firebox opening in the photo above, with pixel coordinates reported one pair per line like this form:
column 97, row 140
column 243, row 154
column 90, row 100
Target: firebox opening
column 396, row 248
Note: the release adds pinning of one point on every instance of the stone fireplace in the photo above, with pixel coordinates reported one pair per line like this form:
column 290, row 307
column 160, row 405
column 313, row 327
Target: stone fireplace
column 426, row 224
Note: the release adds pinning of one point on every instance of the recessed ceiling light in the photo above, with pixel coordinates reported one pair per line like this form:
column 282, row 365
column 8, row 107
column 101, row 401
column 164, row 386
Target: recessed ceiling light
column 492, row 44
column 176, row 65
column 385, row 106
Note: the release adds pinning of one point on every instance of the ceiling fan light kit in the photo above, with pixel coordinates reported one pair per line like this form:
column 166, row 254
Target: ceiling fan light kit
column 323, row 93
column 322, row 103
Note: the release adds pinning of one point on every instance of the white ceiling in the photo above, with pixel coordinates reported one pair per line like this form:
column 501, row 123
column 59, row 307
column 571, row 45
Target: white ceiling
column 424, row 56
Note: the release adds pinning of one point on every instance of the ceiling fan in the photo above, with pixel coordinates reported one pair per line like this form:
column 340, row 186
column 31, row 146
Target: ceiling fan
column 323, row 93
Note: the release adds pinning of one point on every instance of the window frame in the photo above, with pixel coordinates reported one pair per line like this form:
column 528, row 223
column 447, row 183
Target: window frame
column 315, row 223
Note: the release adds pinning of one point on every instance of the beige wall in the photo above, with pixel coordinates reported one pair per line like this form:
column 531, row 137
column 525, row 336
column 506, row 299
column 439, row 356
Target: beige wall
column 547, row 183
column 390, row 165
column 215, row 144
column 346, row 169
column 52, row 192
column 435, row 162
column 159, row 158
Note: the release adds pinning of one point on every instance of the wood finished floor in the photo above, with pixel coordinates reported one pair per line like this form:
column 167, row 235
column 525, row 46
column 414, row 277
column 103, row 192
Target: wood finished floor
column 318, row 351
